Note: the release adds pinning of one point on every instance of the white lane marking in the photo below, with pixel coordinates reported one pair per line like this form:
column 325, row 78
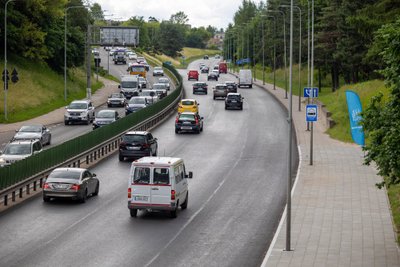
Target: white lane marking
column 202, row 207
column 271, row 246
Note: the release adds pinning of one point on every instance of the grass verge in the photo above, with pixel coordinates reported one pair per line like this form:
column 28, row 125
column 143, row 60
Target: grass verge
column 40, row 90
column 394, row 198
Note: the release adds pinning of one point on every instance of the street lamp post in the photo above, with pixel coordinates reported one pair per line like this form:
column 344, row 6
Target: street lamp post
column 311, row 79
column 65, row 47
column 5, row 59
column 284, row 45
column 299, row 9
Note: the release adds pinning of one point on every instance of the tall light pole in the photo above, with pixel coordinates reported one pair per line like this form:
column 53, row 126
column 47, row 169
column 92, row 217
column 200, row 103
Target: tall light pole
column 65, row 47
column 312, row 79
column 284, row 45
column 5, row 59
column 299, row 9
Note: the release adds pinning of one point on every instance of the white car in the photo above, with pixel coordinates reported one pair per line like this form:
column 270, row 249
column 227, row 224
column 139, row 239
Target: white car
column 142, row 82
column 132, row 56
column 158, row 184
column 79, row 111
column 158, row 71
column 18, row 150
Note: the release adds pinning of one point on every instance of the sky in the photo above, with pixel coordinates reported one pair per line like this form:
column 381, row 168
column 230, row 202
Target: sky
column 217, row 13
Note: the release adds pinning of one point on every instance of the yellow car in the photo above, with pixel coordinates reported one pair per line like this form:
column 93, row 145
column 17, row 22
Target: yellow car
column 190, row 105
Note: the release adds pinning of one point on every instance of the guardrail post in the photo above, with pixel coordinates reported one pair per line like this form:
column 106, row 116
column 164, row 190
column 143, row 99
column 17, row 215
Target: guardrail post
column 28, row 189
column 13, row 196
column 5, row 200
column 34, row 185
column 79, row 163
column 87, row 160
column 20, row 192
column 41, row 183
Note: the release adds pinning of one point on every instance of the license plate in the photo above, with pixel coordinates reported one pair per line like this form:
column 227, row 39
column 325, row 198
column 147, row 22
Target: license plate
column 75, row 118
column 133, row 148
column 186, row 128
column 141, row 198
column 234, row 101
column 60, row 186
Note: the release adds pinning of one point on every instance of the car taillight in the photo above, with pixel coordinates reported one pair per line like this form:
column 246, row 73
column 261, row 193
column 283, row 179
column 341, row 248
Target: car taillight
column 197, row 121
column 129, row 193
column 122, row 144
column 145, row 145
column 172, row 194
column 176, row 120
column 75, row 187
column 46, row 186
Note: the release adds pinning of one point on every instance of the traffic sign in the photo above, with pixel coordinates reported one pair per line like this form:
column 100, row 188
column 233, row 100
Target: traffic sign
column 311, row 113
column 310, row 92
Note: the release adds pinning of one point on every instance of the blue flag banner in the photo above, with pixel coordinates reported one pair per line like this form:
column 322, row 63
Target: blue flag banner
column 354, row 108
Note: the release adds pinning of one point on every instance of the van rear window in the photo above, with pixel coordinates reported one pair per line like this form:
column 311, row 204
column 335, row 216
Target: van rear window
column 141, row 175
column 161, row 176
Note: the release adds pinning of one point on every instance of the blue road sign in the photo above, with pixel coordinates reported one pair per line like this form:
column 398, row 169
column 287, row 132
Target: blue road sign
column 310, row 92
column 311, row 112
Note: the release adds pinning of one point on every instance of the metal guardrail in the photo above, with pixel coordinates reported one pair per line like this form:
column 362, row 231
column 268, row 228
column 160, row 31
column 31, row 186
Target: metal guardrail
column 91, row 155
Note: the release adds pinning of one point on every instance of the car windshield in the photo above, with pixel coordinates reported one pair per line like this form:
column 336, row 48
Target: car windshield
column 130, row 84
column 158, row 86
column 234, row 97
column 134, row 138
column 148, row 93
column 187, row 117
column 76, row 105
column 161, row 176
column 116, row 96
column 163, row 80
column 141, row 79
column 157, row 68
column 137, row 68
column 106, row 114
column 137, row 100
column 220, row 87
column 187, row 103
column 141, row 175
column 18, row 149
column 65, row 174
column 31, row 129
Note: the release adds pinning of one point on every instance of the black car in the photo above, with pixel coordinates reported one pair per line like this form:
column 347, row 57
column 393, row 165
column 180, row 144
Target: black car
column 200, row 87
column 188, row 122
column 73, row 183
column 232, row 86
column 137, row 144
column 105, row 117
column 234, row 101
column 212, row 76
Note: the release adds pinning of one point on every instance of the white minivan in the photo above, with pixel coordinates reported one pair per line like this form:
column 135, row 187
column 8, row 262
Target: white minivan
column 158, row 184
column 245, row 78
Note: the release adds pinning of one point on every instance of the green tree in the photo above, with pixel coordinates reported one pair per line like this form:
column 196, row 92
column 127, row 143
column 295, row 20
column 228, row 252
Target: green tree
column 381, row 120
column 197, row 37
column 179, row 18
column 171, row 38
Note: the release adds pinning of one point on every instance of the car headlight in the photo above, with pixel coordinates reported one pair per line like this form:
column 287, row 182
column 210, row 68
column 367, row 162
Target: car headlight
column 2, row 161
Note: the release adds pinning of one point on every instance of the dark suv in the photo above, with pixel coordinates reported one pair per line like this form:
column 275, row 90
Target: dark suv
column 234, row 100
column 137, row 144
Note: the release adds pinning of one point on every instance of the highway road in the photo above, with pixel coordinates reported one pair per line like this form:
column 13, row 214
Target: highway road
column 60, row 132
column 236, row 199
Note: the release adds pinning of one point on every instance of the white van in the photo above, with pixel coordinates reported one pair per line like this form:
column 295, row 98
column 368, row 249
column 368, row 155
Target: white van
column 158, row 183
column 245, row 78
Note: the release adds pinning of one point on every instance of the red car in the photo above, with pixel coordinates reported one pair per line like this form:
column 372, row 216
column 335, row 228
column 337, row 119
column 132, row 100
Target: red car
column 193, row 74
column 222, row 67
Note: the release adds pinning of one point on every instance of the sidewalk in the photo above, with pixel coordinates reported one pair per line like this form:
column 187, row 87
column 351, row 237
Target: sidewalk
column 57, row 116
column 339, row 217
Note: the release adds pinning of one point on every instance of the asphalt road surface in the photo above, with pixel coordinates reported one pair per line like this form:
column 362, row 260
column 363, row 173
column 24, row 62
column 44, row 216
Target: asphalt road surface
column 236, row 199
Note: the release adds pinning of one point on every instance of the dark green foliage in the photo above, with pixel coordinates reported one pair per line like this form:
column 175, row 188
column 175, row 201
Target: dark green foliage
column 171, row 38
column 381, row 120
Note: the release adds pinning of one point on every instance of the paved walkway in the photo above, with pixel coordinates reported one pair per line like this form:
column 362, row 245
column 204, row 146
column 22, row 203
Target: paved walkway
column 57, row 116
column 339, row 217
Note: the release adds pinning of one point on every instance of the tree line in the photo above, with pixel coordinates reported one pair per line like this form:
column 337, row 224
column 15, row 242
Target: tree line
column 355, row 40
column 35, row 30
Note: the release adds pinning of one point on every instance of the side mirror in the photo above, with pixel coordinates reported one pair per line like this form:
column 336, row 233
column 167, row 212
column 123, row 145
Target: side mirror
column 119, row 86
column 190, row 176
column 94, row 175
column 202, row 118
column 16, row 131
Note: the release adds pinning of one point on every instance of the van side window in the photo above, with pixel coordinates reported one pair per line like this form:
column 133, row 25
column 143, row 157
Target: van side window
column 178, row 176
column 141, row 175
column 161, row 176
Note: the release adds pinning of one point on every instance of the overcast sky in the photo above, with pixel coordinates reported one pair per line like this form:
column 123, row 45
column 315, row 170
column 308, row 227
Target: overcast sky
column 217, row 13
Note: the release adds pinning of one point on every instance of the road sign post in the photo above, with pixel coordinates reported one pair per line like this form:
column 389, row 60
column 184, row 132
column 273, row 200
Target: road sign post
column 311, row 92
column 311, row 113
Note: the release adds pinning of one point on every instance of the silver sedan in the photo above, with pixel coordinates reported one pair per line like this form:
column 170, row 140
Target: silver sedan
column 33, row 132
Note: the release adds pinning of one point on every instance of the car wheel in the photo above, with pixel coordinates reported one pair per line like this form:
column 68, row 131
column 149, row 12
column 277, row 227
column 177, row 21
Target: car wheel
column 66, row 122
column 133, row 212
column 214, row 97
column 251, row 86
column 201, row 129
column 84, row 197
column 176, row 131
column 96, row 191
column 121, row 158
column 185, row 204
column 87, row 120
column 155, row 153
column 46, row 199
column 174, row 213
column 226, row 107
column 241, row 107
column 48, row 142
